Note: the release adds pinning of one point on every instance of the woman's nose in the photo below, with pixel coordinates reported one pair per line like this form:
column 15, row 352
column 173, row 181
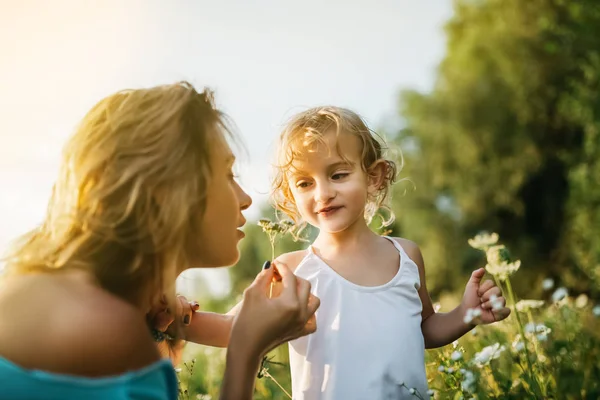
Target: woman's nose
column 244, row 199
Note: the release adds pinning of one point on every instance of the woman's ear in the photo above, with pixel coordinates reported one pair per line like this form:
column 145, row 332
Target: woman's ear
column 376, row 175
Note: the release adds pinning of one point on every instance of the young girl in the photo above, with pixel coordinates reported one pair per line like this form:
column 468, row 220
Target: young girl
column 376, row 317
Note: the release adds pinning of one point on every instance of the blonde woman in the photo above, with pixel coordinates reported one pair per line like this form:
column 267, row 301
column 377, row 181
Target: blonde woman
column 145, row 191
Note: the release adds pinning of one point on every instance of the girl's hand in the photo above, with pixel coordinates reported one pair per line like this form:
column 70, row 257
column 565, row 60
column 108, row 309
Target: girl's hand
column 163, row 320
column 263, row 323
column 486, row 297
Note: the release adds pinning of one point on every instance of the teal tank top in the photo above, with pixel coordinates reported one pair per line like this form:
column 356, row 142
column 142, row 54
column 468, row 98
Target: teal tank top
column 154, row 382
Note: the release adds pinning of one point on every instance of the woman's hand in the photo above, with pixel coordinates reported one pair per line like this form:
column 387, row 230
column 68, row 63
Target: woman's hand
column 268, row 322
column 263, row 323
column 163, row 320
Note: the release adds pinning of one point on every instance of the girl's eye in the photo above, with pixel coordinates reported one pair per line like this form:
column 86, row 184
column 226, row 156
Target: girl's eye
column 339, row 175
column 302, row 185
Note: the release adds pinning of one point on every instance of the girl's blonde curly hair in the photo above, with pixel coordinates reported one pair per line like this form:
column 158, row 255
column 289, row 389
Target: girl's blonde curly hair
column 307, row 129
column 133, row 178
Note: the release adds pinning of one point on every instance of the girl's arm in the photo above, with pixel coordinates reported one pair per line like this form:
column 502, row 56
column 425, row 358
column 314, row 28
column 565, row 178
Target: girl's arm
column 440, row 329
column 210, row 329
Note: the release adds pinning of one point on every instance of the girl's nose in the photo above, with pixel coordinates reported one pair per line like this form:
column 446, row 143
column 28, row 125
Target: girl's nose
column 324, row 193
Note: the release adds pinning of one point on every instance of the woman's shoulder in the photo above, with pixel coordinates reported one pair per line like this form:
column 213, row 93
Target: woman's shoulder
column 58, row 324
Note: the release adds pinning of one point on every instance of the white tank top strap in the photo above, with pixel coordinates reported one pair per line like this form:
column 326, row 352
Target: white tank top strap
column 407, row 262
column 396, row 245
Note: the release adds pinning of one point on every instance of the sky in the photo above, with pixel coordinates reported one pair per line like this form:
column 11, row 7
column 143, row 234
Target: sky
column 265, row 59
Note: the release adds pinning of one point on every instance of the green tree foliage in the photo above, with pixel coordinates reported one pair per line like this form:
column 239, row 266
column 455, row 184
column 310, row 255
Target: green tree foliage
column 508, row 140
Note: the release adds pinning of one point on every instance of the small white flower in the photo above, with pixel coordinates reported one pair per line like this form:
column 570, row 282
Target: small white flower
column 468, row 316
column 412, row 390
column 437, row 307
column 468, row 381
column 526, row 305
column 455, row 344
column 581, row 301
column 474, row 332
column 542, row 337
column 431, row 392
column 456, row 355
column 477, row 312
column 596, row 311
column 559, row 294
column 177, row 370
column 450, row 370
column 543, row 329
column 441, row 368
column 496, row 303
column 519, row 346
column 483, row 240
column 547, row 283
column 529, row 327
column 488, row 353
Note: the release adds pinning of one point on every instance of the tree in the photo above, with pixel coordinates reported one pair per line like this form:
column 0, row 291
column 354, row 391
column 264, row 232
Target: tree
column 508, row 140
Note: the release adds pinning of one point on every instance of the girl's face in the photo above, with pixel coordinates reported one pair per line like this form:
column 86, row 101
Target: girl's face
column 225, row 201
column 330, row 193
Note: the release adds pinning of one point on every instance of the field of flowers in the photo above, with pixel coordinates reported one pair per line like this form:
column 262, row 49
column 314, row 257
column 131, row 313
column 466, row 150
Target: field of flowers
column 547, row 349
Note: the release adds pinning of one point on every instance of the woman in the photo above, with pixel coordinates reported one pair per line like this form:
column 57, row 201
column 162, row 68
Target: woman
column 145, row 191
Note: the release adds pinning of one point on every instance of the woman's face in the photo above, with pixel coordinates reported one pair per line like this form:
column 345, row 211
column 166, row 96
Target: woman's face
column 225, row 201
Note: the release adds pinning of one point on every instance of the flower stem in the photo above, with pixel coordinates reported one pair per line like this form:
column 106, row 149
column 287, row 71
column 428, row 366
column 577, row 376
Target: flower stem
column 268, row 375
column 532, row 376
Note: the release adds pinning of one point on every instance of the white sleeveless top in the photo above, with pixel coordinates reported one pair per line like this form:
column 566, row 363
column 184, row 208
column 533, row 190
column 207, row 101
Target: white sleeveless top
column 368, row 339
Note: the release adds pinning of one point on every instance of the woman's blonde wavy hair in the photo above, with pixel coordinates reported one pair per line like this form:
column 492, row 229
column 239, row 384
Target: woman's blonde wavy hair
column 133, row 180
column 306, row 130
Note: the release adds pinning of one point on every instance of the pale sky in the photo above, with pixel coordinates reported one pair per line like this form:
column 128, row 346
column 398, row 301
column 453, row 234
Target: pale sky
column 266, row 59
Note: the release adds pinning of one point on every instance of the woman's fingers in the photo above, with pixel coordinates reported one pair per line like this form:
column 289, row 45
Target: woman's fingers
column 303, row 287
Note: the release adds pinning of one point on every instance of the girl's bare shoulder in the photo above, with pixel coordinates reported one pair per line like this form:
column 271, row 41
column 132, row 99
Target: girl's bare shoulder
column 292, row 259
column 62, row 323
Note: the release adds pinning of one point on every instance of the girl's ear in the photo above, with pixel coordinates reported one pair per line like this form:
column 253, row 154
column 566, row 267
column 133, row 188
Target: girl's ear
column 376, row 175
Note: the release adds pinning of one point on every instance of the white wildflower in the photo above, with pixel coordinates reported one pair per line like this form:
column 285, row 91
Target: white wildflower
column 456, row 355
column 529, row 327
column 488, row 353
column 431, row 392
column 455, row 344
column 503, row 270
column 519, row 346
column 468, row 381
column 547, row 283
column 412, row 390
column 496, row 303
column 483, row 240
column 541, row 328
column 559, row 294
column 596, row 311
column 441, row 368
column 542, row 337
column 450, row 370
column 526, row 305
column 437, row 307
column 474, row 332
column 581, row 301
